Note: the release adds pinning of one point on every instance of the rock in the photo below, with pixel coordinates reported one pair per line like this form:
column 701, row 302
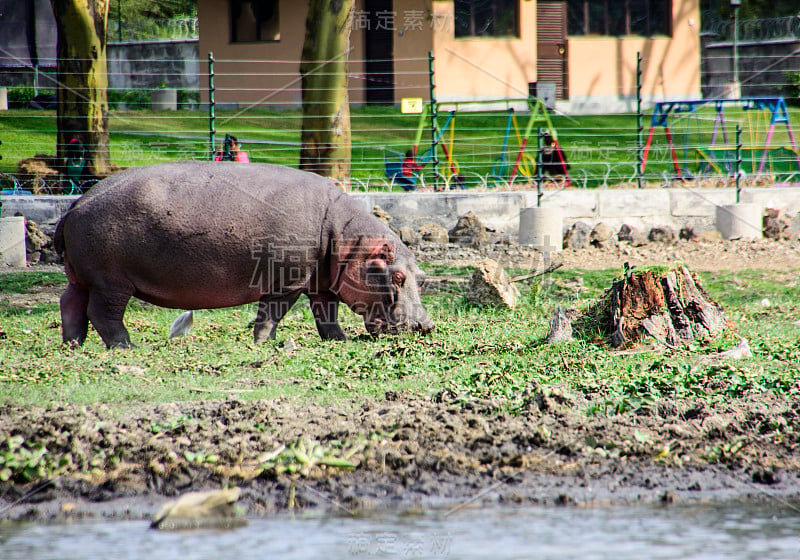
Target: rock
column 687, row 234
column 215, row 509
column 561, row 325
column 469, row 231
column 662, row 234
column 408, row 236
column 577, row 236
column 49, row 256
column 632, row 235
column 289, row 347
column 491, row 286
column 776, row 225
column 381, row 214
column 35, row 239
column 434, row 233
column 602, row 236
column 709, row 236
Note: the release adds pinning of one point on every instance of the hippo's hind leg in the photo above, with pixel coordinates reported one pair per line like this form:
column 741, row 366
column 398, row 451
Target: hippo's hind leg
column 325, row 308
column 74, row 319
column 271, row 310
column 106, row 311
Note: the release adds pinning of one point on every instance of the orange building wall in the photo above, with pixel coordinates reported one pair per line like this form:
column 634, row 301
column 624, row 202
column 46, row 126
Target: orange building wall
column 268, row 72
column 603, row 69
column 482, row 68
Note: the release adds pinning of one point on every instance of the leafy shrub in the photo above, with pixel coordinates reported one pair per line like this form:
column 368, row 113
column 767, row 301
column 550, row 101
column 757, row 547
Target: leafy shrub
column 188, row 99
column 21, row 96
column 791, row 91
column 133, row 99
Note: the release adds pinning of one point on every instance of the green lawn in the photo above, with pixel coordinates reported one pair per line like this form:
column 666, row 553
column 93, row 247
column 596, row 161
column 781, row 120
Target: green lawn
column 473, row 352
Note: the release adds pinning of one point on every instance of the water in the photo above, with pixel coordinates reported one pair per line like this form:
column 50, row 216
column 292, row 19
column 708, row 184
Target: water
column 679, row 532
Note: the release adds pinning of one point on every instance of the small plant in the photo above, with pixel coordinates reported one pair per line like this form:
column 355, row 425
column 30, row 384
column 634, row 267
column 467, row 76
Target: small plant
column 22, row 463
column 301, row 456
column 159, row 427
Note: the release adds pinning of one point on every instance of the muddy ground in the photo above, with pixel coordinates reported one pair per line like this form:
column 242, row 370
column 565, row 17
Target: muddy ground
column 410, row 452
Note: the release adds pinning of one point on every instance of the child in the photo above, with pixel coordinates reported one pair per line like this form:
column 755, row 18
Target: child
column 409, row 169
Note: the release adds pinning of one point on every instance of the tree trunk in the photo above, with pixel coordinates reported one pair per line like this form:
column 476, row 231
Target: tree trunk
column 667, row 304
column 670, row 306
column 83, row 79
column 326, row 113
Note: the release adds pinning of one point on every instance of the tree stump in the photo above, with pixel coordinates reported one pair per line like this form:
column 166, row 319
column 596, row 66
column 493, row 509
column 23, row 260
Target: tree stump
column 669, row 305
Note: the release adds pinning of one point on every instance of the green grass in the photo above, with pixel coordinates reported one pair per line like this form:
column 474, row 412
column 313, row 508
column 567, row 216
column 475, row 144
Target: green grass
column 474, row 353
column 601, row 149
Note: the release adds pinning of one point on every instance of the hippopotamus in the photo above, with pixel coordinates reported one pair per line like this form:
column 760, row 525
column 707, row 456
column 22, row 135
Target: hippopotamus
column 204, row 235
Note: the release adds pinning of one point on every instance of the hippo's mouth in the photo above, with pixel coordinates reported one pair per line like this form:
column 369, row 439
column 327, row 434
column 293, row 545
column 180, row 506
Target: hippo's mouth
column 379, row 326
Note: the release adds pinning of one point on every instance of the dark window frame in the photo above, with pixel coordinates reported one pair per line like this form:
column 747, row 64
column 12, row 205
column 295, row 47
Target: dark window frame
column 479, row 19
column 264, row 12
column 616, row 18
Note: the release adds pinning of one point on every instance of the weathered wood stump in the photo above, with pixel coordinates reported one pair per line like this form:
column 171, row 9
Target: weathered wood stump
column 667, row 304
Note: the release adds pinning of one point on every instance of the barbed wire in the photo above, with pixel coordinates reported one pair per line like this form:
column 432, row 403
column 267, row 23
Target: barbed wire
column 751, row 30
column 153, row 29
column 482, row 149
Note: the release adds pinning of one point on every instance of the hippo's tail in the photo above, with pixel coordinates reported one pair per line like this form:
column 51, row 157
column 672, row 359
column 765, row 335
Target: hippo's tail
column 58, row 235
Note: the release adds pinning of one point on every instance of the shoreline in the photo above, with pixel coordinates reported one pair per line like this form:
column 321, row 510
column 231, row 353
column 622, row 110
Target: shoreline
column 428, row 455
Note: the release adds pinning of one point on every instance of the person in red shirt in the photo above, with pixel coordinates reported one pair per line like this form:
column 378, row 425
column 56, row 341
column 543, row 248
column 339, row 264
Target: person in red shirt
column 410, row 169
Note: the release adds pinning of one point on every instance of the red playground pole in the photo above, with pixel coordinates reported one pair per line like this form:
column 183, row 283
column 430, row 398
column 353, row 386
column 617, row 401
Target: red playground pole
column 647, row 148
column 672, row 151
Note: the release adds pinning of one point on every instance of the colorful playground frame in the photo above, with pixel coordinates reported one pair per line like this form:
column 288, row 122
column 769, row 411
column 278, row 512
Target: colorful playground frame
column 778, row 114
column 502, row 169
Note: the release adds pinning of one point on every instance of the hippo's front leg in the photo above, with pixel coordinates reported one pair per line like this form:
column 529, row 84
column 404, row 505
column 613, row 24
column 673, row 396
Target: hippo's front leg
column 325, row 308
column 271, row 310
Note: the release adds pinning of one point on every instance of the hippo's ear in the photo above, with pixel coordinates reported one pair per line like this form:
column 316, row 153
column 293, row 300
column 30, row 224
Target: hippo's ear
column 380, row 250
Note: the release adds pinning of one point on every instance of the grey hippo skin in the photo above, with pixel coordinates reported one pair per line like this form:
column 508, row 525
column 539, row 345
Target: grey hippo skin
column 195, row 235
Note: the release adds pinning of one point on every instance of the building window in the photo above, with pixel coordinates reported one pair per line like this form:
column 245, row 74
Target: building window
column 619, row 17
column 486, row 18
column 254, row 20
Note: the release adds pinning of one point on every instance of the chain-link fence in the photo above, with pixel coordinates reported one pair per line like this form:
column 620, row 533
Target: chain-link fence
column 450, row 144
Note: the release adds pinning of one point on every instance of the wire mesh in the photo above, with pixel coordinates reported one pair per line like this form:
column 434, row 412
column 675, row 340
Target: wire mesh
column 475, row 145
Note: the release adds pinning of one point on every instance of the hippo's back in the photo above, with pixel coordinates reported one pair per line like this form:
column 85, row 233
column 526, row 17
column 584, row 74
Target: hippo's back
column 206, row 185
column 174, row 226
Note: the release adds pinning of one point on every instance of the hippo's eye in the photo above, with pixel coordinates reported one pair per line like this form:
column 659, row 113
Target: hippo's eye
column 399, row 278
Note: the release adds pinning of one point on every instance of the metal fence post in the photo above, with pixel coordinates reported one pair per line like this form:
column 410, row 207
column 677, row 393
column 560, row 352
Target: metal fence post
column 738, row 162
column 211, row 116
column 539, row 136
column 434, row 121
column 639, row 129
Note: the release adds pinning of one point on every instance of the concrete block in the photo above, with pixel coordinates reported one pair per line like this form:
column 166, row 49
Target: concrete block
column 12, row 241
column 42, row 209
column 782, row 198
column 699, row 202
column 626, row 203
column 574, row 204
column 740, row 221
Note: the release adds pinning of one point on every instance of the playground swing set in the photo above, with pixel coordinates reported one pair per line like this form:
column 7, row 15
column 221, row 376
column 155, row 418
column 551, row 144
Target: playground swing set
column 513, row 160
column 718, row 156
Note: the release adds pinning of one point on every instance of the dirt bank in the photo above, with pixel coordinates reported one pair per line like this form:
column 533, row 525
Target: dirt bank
column 406, row 452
